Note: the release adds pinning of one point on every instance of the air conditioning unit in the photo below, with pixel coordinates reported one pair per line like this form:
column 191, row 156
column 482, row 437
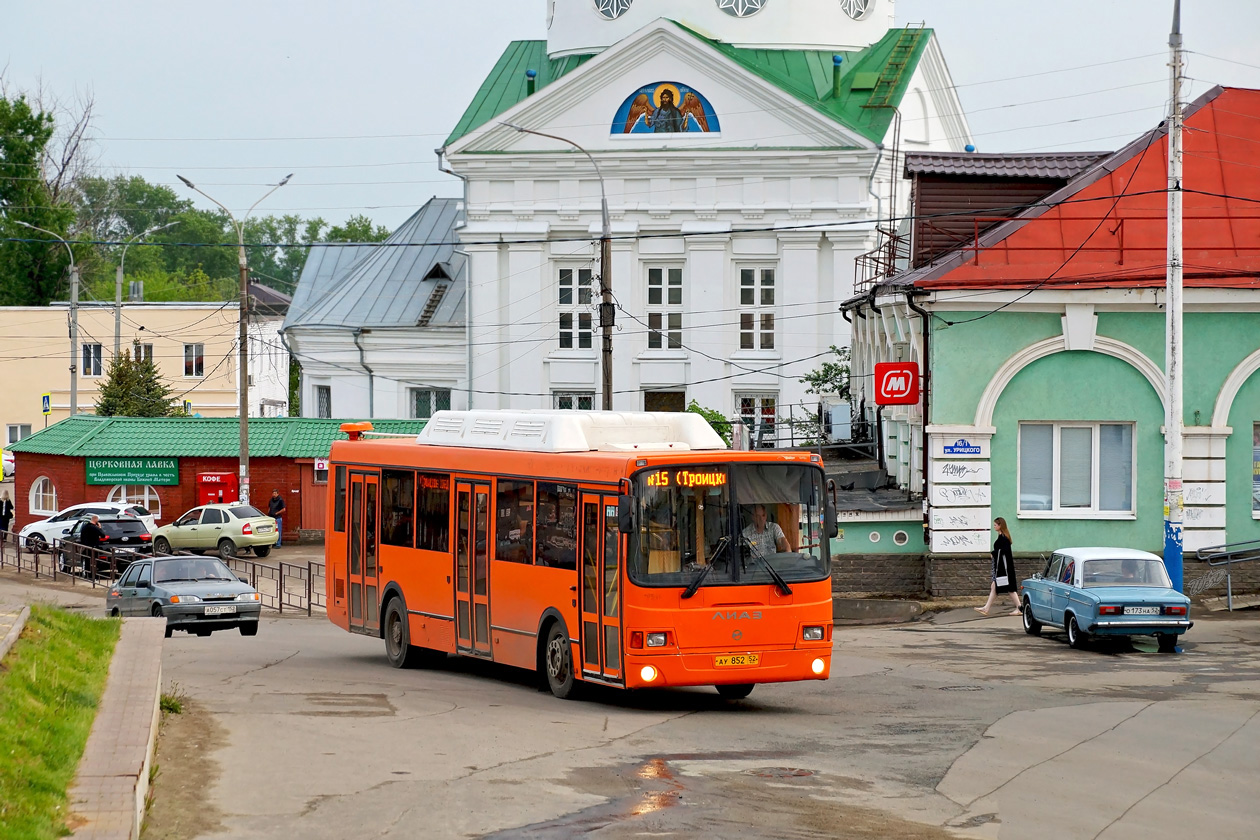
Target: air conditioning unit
column 136, row 292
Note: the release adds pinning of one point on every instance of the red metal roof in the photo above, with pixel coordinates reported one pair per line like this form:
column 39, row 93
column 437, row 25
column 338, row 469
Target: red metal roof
column 1107, row 228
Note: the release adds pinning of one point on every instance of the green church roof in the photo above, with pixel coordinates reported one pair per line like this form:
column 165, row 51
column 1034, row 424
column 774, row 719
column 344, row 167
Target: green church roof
column 193, row 437
column 872, row 83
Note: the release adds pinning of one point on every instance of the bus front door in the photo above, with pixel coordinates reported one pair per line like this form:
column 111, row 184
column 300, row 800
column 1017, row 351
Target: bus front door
column 361, row 547
column 472, row 569
column 601, row 591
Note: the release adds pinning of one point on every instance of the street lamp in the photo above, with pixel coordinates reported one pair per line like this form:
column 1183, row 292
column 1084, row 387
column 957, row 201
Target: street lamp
column 243, row 341
column 607, row 312
column 74, row 318
column 118, row 281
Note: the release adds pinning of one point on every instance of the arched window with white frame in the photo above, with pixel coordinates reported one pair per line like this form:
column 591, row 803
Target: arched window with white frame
column 144, row 495
column 43, row 496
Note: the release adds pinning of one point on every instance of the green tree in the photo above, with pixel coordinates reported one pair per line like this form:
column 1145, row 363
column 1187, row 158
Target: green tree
column 831, row 377
column 161, row 286
column 133, row 388
column 31, row 273
column 357, row 228
column 719, row 423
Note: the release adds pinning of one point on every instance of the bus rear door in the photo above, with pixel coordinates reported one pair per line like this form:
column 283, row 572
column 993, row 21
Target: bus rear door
column 601, row 591
column 362, row 554
column 472, row 568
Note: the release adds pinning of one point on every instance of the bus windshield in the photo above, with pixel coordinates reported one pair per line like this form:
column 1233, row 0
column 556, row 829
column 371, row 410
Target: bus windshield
column 729, row 522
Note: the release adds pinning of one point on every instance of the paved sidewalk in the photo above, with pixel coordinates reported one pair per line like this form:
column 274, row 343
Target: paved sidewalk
column 12, row 618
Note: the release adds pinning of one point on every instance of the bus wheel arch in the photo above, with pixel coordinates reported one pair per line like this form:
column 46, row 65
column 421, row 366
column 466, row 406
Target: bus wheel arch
column 551, row 623
column 390, row 591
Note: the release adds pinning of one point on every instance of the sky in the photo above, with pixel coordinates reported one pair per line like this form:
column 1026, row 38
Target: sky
column 353, row 97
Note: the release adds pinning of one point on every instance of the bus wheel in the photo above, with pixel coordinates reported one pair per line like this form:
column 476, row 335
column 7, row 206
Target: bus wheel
column 735, row 692
column 398, row 649
column 559, row 660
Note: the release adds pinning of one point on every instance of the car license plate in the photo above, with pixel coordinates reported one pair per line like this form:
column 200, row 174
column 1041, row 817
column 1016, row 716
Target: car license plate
column 264, row 529
column 1141, row 610
column 223, row 610
column 737, row 660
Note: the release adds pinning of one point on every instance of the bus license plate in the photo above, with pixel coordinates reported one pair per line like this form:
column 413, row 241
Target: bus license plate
column 1141, row 610
column 225, row 610
column 737, row 660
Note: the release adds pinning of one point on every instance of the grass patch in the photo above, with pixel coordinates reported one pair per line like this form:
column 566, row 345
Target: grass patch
column 50, row 684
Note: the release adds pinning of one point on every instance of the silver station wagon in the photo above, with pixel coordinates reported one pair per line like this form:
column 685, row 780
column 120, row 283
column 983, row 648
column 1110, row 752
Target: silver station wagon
column 1106, row 592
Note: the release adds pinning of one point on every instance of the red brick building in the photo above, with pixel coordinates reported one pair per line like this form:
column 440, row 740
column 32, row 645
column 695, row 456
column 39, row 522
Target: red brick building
column 172, row 464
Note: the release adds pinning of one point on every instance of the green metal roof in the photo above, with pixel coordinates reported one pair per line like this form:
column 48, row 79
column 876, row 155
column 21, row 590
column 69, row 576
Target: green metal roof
column 195, row 437
column 873, row 80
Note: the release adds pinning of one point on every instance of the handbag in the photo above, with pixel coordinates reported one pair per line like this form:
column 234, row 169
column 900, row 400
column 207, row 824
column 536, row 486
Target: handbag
column 1002, row 580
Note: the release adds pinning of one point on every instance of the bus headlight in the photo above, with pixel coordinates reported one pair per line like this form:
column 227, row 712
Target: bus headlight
column 656, row 639
column 648, row 673
column 818, row 666
column 812, row 634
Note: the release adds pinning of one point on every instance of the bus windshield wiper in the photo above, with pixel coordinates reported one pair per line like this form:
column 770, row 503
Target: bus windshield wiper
column 774, row 573
column 721, row 546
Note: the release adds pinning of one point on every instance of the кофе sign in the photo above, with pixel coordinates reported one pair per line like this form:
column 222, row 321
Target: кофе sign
column 161, row 471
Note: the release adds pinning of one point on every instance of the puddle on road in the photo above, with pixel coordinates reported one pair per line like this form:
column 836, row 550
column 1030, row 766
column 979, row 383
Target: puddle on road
column 652, row 796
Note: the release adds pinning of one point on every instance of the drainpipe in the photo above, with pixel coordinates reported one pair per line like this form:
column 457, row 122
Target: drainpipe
column 926, row 380
column 468, row 345
column 870, row 189
column 371, row 376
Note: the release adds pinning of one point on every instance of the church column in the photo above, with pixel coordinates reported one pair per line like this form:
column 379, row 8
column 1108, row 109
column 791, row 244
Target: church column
column 707, row 328
column 799, row 331
column 528, row 307
column 481, row 302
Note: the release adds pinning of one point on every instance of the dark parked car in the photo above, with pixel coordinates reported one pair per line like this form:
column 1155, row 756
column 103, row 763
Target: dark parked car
column 122, row 532
column 196, row 594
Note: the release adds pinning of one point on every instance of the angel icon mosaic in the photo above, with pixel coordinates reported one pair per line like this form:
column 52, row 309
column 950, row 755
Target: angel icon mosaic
column 665, row 107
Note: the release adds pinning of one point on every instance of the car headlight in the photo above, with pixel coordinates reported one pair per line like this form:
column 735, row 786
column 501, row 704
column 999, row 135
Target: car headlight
column 185, row 599
column 248, row 596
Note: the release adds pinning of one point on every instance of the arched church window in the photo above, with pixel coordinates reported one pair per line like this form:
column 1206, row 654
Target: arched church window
column 742, row 8
column 612, row 9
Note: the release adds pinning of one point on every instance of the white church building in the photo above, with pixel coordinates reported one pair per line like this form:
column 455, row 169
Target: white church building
column 747, row 150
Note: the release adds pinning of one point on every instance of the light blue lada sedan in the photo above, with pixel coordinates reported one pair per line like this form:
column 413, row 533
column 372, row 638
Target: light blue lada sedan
column 1106, row 592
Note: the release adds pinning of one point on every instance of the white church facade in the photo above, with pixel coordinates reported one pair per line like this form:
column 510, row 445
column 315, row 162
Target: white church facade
column 746, row 150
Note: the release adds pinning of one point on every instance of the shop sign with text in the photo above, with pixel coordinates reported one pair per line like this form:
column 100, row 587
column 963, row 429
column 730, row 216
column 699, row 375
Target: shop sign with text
column 160, row 471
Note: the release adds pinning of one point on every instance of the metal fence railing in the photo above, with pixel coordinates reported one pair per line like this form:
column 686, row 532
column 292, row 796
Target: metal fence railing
column 283, row 586
column 1228, row 556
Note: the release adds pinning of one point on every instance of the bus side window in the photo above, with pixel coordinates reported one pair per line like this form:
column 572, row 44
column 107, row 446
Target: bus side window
column 398, row 497
column 339, row 503
column 555, row 529
column 433, row 512
column 514, row 512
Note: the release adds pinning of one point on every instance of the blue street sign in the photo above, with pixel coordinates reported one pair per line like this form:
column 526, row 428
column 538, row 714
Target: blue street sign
column 45, row 404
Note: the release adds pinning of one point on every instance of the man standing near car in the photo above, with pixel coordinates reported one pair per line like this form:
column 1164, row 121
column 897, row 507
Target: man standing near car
column 91, row 535
column 275, row 509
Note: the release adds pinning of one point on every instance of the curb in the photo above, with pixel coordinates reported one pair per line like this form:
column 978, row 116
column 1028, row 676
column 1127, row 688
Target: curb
column 107, row 799
column 14, row 631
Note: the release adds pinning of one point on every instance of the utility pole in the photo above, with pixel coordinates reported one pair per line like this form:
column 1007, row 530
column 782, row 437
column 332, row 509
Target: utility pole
column 118, row 284
column 1174, row 352
column 607, row 309
column 242, row 350
column 74, row 317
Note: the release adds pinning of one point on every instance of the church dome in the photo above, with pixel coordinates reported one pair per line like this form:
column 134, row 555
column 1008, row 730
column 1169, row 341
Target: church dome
column 589, row 26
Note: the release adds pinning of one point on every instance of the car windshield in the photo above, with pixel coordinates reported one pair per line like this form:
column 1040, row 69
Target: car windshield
column 1130, row 571
column 246, row 512
column 732, row 523
column 190, row 568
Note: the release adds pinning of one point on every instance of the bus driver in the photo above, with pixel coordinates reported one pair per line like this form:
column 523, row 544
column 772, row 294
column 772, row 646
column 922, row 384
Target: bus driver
column 765, row 537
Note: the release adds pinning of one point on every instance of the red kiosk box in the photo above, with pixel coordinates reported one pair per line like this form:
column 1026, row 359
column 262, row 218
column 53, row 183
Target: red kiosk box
column 217, row 488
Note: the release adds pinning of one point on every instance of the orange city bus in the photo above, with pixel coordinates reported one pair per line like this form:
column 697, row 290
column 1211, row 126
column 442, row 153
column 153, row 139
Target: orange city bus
column 626, row 549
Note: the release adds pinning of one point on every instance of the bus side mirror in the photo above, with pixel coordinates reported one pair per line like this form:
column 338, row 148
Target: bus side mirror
column 625, row 514
column 833, row 527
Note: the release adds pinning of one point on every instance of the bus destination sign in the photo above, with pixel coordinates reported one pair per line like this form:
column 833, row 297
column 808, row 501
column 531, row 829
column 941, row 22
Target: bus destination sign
column 686, row 478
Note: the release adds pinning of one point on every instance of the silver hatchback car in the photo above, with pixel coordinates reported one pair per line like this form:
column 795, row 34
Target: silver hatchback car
column 195, row 594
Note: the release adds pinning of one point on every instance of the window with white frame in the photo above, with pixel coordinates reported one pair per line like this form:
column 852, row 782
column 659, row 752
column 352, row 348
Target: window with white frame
column 665, row 308
column 91, row 360
column 43, row 496
column 425, row 401
column 573, row 400
column 142, row 352
column 194, row 360
column 575, row 293
column 1075, row 469
column 758, row 413
column 323, row 401
column 17, row 431
column 144, row 495
column 756, row 309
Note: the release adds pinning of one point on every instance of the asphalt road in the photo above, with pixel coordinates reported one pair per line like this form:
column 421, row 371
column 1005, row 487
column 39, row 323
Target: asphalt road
column 957, row 727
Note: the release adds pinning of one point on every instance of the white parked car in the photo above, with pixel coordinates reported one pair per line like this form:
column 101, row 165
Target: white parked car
column 58, row 527
column 10, row 465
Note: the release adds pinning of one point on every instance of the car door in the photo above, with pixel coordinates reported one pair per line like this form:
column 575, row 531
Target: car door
column 1061, row 591
column 213, row 521
column 1042, row 595
column 184, row 532
column 127, row 589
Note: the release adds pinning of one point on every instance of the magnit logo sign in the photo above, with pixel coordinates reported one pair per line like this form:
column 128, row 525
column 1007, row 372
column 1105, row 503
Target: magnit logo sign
column 896, row 383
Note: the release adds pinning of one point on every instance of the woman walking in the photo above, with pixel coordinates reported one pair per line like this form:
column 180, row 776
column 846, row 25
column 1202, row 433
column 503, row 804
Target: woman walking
column 1003, row 577
column 6, row 517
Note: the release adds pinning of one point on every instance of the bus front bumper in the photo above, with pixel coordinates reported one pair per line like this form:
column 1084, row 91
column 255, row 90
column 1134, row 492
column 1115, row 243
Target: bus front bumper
column 659, row 670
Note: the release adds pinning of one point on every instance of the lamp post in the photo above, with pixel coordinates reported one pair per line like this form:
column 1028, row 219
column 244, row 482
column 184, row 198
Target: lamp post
column 118, row 281
column 74, row 317
column 243, row 340
column 607, row 311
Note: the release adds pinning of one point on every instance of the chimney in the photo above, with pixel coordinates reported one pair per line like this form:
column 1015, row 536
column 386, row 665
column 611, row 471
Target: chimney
column 531, row 82
column 836, row 61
